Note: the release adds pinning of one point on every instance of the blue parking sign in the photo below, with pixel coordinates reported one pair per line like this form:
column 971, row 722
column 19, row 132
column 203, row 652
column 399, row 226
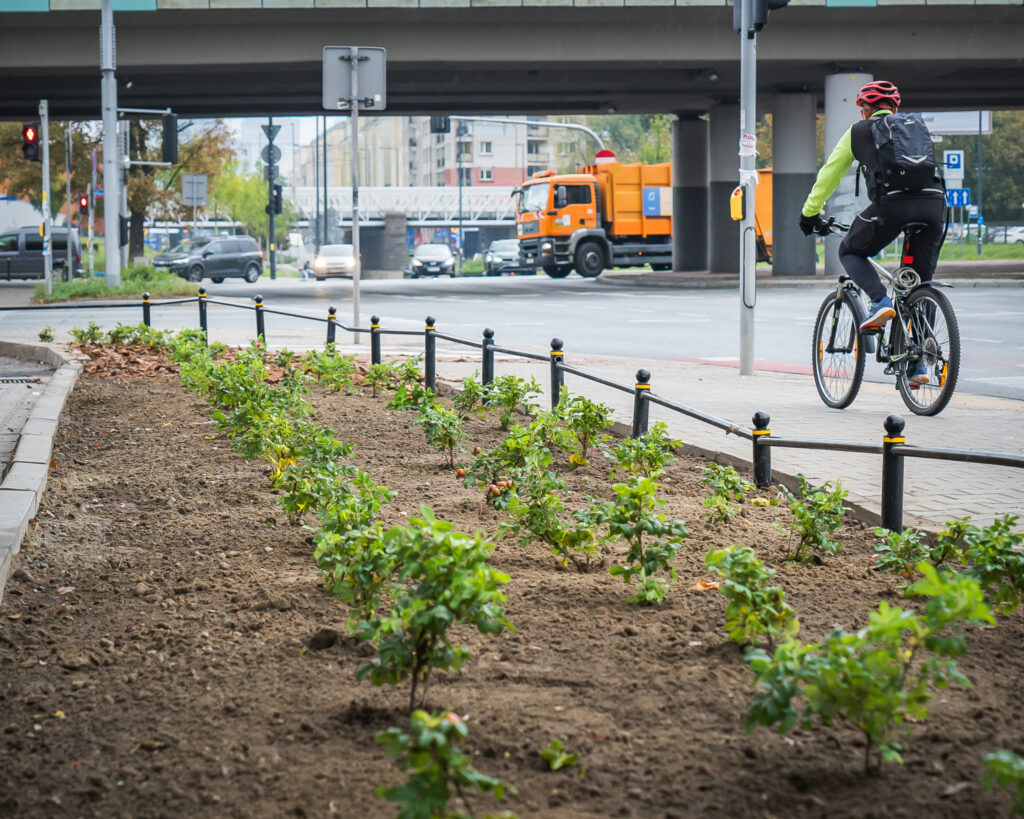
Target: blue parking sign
column 958, row 197
column 953, row 160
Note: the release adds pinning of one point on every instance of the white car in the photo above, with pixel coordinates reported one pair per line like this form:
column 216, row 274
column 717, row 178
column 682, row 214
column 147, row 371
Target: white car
column 1009, row 235
column 334, row 260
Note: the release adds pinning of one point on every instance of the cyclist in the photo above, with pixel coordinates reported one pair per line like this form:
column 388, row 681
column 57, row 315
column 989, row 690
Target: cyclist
column 880, row 222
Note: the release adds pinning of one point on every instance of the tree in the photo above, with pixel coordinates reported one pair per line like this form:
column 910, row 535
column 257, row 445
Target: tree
column 244, row 198
column 24, row 179
column 1002, row 156
column 151, row 187
column 636, row 137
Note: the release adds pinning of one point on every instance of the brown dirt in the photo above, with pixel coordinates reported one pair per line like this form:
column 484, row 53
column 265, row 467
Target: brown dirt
column 174, row 678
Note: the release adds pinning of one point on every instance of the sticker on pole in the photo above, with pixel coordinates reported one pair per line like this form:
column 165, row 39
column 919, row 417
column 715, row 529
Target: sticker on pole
column 748, row 145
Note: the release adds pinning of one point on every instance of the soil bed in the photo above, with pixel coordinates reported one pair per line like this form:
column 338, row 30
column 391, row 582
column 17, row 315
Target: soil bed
column 155, row 649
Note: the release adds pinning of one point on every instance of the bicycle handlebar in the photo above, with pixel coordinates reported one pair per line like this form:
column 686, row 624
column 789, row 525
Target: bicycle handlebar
column 832, row 227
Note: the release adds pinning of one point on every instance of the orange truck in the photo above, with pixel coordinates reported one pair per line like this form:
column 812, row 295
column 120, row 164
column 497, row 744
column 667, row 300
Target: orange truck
column 607, row 215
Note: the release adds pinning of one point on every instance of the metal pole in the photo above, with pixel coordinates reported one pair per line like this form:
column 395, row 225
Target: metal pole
column 458, row 170
column 323, row 230
column 146, row 310
column 357, row 269
column 487, row 360
column 316, row 181
column 270, row 200
column 569, row 126
column 92, row 214
column 332, row 316
column 260, row 328
column 44, row 138
column 762, row 454
column 748, row 179
column 557, row 376
column 68, row 272
column 429, row 355
column 111, row 158
column 374, row 339
column 980, row 217
column 892, row 475
column 201, row 301
column 641, row 409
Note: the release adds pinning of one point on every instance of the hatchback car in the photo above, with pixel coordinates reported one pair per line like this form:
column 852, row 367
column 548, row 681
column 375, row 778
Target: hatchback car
column 431, row 260
column 503, row 257
column 334, row 260
column 215, row 258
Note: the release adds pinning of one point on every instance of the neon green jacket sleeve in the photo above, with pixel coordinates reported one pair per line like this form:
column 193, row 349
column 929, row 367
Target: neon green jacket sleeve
column 830, row 175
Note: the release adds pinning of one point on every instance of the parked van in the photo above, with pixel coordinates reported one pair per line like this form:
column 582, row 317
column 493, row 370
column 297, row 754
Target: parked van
column 21, row 253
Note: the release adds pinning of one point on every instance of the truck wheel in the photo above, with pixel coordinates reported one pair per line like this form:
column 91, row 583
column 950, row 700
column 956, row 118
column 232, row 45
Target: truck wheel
column 557, row 271
column 589, row 259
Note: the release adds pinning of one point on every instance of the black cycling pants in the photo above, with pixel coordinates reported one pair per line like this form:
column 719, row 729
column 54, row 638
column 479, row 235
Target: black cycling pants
column 879, row 224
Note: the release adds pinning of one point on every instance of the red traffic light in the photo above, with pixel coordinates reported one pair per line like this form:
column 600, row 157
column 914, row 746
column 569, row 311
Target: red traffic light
column 30, row 141
column 30, row 133
column 83, row 202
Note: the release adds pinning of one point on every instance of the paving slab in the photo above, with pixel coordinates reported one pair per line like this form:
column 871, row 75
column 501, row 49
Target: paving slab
column 27, row 477
column 34, row 449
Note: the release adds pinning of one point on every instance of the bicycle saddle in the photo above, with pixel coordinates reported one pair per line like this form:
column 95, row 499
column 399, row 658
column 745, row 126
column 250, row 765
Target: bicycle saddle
column 914, row 227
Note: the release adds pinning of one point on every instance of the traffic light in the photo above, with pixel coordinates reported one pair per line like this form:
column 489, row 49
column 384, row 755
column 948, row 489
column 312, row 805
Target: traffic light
column 759, row 13
column 440, row 125
column 170, row 139
column 278, row 203
column 30, row 142
column 83, row 204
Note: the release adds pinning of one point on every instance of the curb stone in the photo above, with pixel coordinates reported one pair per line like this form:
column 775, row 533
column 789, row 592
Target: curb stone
column 25, row 480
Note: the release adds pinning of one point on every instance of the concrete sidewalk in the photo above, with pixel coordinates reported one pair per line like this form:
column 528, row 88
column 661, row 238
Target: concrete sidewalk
column 936, row 491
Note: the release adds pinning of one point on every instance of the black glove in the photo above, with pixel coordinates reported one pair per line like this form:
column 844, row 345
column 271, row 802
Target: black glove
column 812, row 224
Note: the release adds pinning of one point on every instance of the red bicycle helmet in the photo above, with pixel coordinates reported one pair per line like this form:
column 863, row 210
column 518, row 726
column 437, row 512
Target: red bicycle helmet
column 877, row 92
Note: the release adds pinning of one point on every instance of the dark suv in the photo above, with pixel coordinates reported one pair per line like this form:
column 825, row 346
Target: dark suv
column 215, row 258
column 21, row 253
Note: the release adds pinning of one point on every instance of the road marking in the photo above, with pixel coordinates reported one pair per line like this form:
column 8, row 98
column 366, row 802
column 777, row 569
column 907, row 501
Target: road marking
column 668, row 320
column 984, row 340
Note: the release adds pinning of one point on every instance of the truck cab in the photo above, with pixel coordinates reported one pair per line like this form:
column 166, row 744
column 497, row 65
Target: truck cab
column 554, row 211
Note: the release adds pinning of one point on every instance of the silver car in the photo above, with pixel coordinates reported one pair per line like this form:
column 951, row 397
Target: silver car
column 334, row 260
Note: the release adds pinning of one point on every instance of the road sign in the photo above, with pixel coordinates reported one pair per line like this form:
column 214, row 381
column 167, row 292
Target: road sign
column 972, row 211
column 193, row 189
column 271, row 131
column 271, row 154
column 958, row 197
column 337, row 82
column 953, row 160
column 957, row 122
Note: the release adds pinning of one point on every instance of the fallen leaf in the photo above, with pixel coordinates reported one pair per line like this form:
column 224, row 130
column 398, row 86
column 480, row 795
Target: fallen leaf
column 705, row 585
column 65, row 590
column 60, row 715
column 13, row 616
column 29, row 663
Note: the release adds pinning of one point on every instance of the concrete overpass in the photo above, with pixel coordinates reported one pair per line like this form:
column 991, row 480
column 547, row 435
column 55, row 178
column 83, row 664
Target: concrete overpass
column 236, row 57
column 259, row 57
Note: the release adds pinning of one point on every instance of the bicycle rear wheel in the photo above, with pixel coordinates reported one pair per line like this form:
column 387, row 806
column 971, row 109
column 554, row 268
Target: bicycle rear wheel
column 932, row 337
column 837, row 354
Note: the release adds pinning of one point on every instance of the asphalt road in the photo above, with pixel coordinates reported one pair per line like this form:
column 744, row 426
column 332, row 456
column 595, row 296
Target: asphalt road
column 591, row 316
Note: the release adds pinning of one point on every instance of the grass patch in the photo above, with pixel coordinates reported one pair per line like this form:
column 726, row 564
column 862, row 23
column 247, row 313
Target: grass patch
column 134, row 282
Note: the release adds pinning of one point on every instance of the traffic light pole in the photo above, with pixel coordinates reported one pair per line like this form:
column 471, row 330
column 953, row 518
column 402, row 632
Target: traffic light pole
column 44, row 139
column 270, row 199
column 358, row 268
column 111, row 159
column 748, row 181
column 68, row 270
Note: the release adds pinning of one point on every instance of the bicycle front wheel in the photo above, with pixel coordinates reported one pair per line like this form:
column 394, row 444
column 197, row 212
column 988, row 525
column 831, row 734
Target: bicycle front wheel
column 837, row 355
column 931, row 338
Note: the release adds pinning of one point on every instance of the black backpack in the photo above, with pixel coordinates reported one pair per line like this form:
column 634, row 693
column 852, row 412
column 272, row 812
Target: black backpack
column 906, row 154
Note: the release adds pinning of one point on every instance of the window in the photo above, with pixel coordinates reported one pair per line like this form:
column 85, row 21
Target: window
column 577, row 194
column 485, row 147
column 33, row 241
column 486, row 175
column 8, row 242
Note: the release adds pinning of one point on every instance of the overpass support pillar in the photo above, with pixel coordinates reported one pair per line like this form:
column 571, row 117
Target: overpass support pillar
column 383, row 251
column 793, row 159
column 840, row 113
column 689, row 193
column 723, row 176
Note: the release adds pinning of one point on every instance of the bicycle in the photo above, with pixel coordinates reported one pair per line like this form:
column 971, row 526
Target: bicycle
column 924, row 329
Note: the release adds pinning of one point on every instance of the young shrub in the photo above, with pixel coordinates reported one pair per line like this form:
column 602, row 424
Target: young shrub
column 379, row 377
column 536, row 512
column 330, row 368
column 754, row 609
column 585, row 420
column 356, row 510
column 1006, row 769
column 312, row 483
column 93, row 334
column 817, row 515
column 442, row 429
column 414, row 397
column 446, row 581
column 356, row 567
column 285, row 358
column 632, row 518
column 726, row 486
column 900, row 551
column 470, row 399
column 507, row 392
column 647, row 455
column 46, row 334
column 557, row 757
column 439, row 769
column 408, row 372
column 880, row 679
column 994, row 556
